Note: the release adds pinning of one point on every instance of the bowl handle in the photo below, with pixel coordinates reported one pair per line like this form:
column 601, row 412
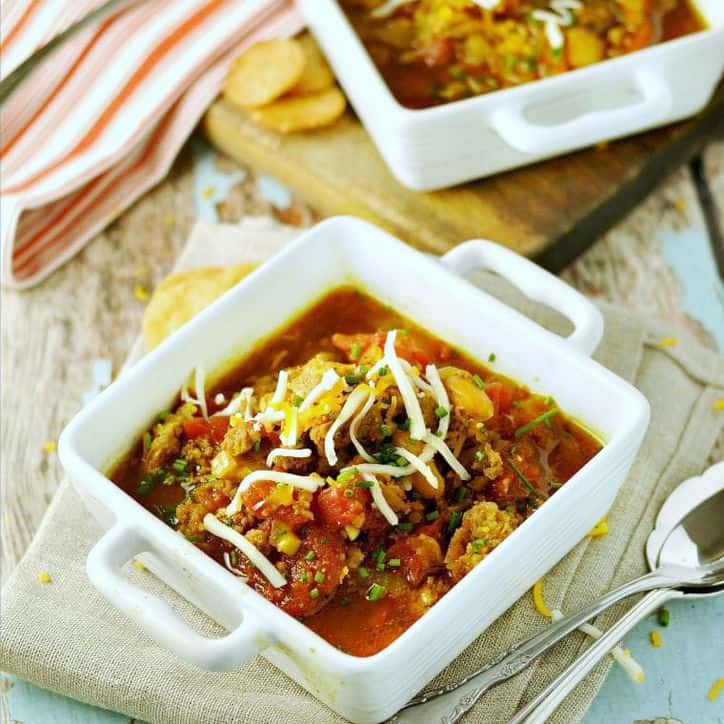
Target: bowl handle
column 589, row 128
column 536, row 283
column 157, row 619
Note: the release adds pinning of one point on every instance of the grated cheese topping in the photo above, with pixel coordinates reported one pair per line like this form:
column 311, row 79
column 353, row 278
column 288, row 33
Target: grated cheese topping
column 412, row 405
column 380, row 501
column 328, row 381
column 419, row 465
column 199, row 392
column 265, row 566
column 387, row 8
column 442, row 447
column 283, row 452
column 559, row 15
column 303, row 482
column 355, row 424
column 356, row 398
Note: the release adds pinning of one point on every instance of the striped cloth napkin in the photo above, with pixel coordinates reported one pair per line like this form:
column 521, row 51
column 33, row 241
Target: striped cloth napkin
column 102, row 117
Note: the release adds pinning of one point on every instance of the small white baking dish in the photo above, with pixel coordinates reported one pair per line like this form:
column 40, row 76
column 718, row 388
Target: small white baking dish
column 338, row 251
column 437, row 147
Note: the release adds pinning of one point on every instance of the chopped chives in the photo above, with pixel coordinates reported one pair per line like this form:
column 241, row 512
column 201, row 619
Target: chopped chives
column 347, row 475
column 382, row 371
column 394, row 562
column 363, row 369
column 351, row 379
column 385, row 430
column 664, row 617
column 513, row 449
column 461, row 493
column 515, row 403
column 376, row 592
column 314, row 593
column 432, row 515
column 146, row 440
column 523, row 479
column 297, row 401
column 163, row 415
column 405, row 424
column 319, row 577
column 234, row 557
column 380, row 566
column 310, row 556
column 548, row 400
column 479, row 455
column 180, row 465
column 363, row 572
column 454, row 521
column 536, row 421
column 363, row 484
column 193, row 538
column 379, row 555
column 405, row 527
column 257, row 445
column 348, row 493
column 479, row 381
column 441, row 411
column 304, row 578
column 356, row 351
column 479, row 544
column 344, row 601
column 555, row 484
column 491, row 357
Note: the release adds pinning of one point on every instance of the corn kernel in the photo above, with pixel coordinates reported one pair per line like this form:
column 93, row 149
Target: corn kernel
column 655, row 637
column 351, row 532
column 282, row 495
column 223, row 464
column 44, row 577
column 289, row 544
column 139, row 565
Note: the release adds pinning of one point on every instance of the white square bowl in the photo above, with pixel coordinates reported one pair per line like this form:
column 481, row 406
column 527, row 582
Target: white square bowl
column 436, row 147
column 341, row 251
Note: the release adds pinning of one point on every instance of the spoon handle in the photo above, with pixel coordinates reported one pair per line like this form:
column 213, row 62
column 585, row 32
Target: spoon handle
column 540, row 708
column 521, row 654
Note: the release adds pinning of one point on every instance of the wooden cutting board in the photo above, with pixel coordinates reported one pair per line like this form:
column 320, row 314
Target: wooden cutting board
column 551, row 211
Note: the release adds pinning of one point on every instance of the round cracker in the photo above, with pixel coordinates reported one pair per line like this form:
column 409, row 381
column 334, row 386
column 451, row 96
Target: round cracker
column 181, row 296
column 317, row 75
column 263, row 72
column 302, row 113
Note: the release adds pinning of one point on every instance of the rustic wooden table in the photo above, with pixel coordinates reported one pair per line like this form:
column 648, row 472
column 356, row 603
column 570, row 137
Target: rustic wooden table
column 661, row 260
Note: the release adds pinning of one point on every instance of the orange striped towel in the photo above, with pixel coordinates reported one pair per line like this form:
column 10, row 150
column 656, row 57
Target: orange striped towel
column 100, row 120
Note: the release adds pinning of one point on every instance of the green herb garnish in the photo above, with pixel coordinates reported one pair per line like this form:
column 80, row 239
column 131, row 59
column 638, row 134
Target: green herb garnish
column 394, row 563
column 385, row 430
column 314, row 593
column 456, row 517
column 491, row 357
column 297, row 401
column 346, row 475
column 356, row 351
column 407, row 527
column 310, row 556
column 441, row 411
column 479, row 381
column 523, row 479
column 432, row 515
column 351, row 379
column 180, row 465
column 376, row 592
column 363, row 572
column 478, row 545
column 319, row 577
column 363, row 484
column 536, row 421
column 663, row 617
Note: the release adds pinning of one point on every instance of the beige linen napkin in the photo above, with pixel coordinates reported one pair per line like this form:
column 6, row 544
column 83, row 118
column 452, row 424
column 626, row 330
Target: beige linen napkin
column 64, row 636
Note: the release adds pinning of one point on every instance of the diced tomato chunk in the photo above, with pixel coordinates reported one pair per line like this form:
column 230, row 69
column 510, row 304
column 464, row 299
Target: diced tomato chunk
column 501, row 395
column 355, row 345
column 214, row 428
column 338, row 510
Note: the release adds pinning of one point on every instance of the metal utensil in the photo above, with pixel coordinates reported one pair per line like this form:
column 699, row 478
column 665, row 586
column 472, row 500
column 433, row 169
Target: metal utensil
column 672, row 570
column 697, row 540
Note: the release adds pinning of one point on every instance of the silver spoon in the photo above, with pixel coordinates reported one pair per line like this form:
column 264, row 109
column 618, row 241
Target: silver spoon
column 669, row 574
column 697, row 541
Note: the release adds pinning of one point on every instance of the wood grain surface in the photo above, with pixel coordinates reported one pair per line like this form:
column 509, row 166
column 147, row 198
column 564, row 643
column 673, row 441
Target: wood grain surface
column 550, row 211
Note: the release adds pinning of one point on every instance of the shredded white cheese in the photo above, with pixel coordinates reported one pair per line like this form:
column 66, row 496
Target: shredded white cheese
column 412, row 405
column 440, row 394
column 265, row 566
column 304, row 482
column 283, row 452
column 487, row 4
column 418, row 464
column 387, row 8
column 623, row 658
column 328, row 381
column 416, row 378
column 441, row 446
column 233, row 569
column 355, row 424
column 381, row 469
column 199, row 391
column 378, row 496
column 219, row 398
column 349, row 408
column 559, row 15
column 281, row 388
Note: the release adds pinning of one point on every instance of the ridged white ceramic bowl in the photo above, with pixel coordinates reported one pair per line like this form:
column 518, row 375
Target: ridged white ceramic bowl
column 349, row 251
column 436, row 147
